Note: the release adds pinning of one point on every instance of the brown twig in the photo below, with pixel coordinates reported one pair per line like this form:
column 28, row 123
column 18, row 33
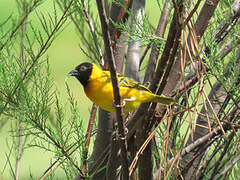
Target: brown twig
column 99, row 160
column 64, row 152
column 215, row 132
column 192, row 12
column 55, row 162
column 92, row 29
column 88, row 137
column 226, row 144
column 140, row 151
column 230, row 166
column 162, row 23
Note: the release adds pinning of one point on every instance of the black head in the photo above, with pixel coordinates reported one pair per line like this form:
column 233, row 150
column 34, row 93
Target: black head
column 82, row 72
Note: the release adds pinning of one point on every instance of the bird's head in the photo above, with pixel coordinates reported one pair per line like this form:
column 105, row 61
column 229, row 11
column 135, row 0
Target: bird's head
column 82, row 72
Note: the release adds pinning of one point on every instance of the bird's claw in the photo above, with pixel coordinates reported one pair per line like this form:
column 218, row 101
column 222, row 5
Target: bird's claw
column 123, row 102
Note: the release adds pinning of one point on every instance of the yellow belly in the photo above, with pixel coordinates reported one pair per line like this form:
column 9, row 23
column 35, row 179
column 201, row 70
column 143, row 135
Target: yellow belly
column 102, row 94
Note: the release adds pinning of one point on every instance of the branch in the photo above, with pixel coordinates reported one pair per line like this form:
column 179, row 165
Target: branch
column 191, row 13
column 172, row 41
column 226, row 25
column 51, row 168
column 199, row 142
column 204, row 17
column 230, row 166
column 142, row 148
column 135, row 46
column 88, row 137
column 121, row 137
column 162, row 23
column 91, row 28
column 217, row 163
column 173, row 35
column 63, row 151
column 119, row 14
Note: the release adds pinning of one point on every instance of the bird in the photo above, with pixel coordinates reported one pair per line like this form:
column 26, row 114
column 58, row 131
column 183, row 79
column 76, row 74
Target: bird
column 98, row 88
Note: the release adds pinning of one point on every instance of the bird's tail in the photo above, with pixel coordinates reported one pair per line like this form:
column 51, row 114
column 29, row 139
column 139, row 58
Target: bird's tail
column 163, row 100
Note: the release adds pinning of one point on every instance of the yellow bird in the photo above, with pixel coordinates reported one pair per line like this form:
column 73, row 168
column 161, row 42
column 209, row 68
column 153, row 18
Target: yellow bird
column 98, row 88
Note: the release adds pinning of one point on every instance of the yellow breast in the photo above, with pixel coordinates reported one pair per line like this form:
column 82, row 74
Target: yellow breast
column 100, row 91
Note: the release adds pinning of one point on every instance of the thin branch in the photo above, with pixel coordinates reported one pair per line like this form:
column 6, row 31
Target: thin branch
column 92, row 29
column 225, row 150
column 84, row 39
column 191, row 13
column 88, row 137
column 144, row 145
column 174, row 33
column 100, row 159
column 230, row 166
column 161, row 28
column 64, row 152
column 55, row 162
column 200, row 141
column 225, row 27
column 19, row 25
column 8, row 161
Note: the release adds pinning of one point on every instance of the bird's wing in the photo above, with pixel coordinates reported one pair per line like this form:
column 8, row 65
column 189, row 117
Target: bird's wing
column 125, row 81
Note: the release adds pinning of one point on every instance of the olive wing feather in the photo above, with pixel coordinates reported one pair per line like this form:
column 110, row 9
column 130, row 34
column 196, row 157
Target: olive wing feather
column 126, row 82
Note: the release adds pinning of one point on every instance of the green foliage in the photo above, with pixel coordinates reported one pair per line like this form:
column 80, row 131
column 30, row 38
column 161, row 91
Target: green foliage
column 87, row 27
column 41, row 120
column 29, row 99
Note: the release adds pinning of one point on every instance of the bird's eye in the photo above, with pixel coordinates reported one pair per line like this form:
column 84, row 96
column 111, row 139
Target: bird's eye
column 83, row 68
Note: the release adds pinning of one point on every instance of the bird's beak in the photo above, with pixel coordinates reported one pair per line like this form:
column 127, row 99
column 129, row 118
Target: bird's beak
column 73, row 73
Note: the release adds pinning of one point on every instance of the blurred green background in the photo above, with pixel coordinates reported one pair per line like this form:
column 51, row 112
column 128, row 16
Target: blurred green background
column 64, row 54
